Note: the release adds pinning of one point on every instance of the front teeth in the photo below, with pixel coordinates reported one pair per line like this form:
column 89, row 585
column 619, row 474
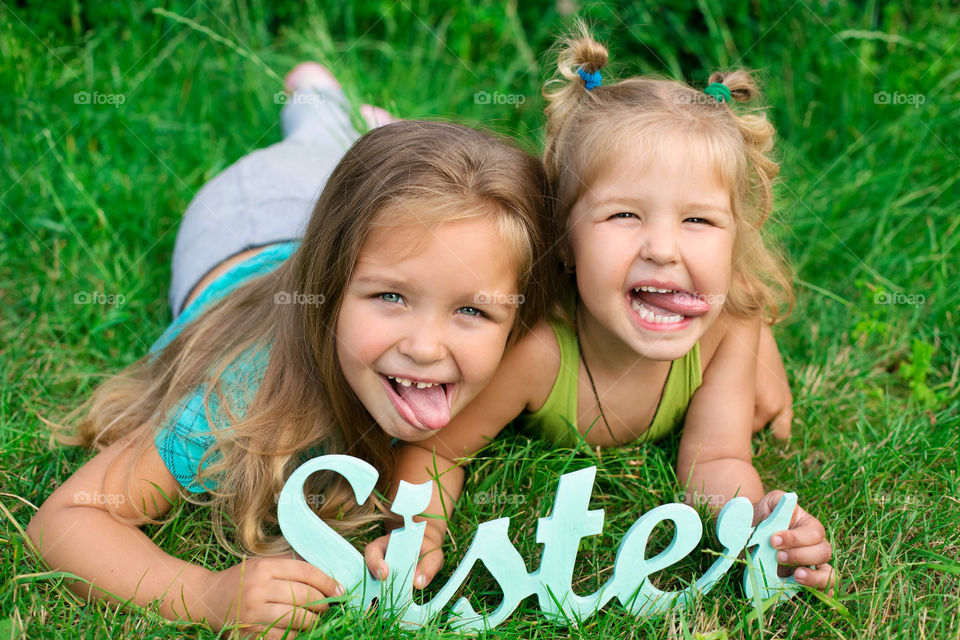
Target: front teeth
column 408, row 382
column 653, row 289
column 648, row 314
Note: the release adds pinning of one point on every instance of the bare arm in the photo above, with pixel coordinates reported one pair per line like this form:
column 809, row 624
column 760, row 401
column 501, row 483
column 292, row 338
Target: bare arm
column 774, row 401
column 714, row 459
column 75, row 532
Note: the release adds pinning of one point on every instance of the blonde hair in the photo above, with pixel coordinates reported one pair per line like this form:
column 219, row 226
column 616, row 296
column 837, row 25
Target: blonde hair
column 585, row 130
column 303, row 399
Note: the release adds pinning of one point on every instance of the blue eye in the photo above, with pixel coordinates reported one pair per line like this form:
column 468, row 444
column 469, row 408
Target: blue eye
column 698, row 220
column 393, row 298
column 473, row 312
column 623, row 215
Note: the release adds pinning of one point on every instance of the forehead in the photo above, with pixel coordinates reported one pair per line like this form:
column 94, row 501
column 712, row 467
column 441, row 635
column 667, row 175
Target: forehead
column 678, row 164
column 468, row 253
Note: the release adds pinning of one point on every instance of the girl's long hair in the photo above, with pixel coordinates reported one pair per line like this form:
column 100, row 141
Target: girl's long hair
column 586, row 129
column 263, row 421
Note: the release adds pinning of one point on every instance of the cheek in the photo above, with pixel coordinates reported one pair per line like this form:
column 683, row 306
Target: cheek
column 358, row 339
column 480, row 360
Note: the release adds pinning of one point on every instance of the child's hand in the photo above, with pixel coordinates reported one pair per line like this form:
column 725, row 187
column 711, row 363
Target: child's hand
column 431, row 559
column 274, row 593
column 803, row 546
column 773, row 402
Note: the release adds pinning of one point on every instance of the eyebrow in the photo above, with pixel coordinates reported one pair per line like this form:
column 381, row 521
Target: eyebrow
column 386, row 282
column 629, row 201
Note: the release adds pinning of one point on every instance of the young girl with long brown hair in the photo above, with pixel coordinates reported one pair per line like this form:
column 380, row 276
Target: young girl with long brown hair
column 376, row 319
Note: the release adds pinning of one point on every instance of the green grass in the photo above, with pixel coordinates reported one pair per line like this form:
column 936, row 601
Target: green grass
column 92, row 193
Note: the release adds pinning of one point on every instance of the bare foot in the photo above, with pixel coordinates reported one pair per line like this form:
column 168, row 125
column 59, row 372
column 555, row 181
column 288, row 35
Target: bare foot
column 309, row 75
column 375, row 116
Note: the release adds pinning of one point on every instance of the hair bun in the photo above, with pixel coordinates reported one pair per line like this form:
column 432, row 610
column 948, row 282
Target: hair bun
column 588, row 54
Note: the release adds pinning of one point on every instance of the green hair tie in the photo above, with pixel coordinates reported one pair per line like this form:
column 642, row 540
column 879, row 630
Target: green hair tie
column 719, row 92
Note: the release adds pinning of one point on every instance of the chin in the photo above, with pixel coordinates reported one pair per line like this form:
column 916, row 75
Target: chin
column 666, row 347
column 402, row 430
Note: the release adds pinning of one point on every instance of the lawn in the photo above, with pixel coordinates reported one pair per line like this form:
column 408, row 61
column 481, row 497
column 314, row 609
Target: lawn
column 114, row 114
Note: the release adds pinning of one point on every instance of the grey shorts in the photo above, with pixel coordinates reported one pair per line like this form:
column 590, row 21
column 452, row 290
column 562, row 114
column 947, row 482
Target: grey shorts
column 266, row 196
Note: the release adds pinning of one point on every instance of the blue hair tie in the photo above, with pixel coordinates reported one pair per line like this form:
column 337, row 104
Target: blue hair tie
column 590, row 80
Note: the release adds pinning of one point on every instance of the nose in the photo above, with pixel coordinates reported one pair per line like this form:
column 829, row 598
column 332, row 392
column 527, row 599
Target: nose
column 423, row 341
column 659, row 242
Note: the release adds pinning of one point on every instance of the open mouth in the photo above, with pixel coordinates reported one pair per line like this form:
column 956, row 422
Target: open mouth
column 666, row 307
column 424, row 404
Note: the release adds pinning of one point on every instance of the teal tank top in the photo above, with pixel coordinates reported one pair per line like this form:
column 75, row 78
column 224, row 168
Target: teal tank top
column 186, row 435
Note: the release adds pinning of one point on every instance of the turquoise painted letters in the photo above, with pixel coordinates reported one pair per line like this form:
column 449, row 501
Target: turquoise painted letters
column 560, row 533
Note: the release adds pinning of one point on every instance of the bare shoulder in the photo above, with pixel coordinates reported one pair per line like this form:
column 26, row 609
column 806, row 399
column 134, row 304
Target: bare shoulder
column 534, row 362
column 726, row 330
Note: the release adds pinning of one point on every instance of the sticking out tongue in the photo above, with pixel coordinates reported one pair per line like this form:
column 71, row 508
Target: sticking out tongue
column 681, row 302
column 429, row 405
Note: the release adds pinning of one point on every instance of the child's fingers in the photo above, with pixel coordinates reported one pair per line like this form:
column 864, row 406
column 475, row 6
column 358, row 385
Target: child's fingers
column 298, row 594
column 823, row 577
column 813, row 555
column 375, row 556
column 428, row 567
column 805, row 531
column 289, row 570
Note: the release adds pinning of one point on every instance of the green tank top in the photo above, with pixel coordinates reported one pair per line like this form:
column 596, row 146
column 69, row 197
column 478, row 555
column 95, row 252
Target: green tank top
column 556, row 420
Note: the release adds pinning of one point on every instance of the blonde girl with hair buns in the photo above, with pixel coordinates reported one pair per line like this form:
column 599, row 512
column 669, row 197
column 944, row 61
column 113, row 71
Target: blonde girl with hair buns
column 662, row 193
column 374, row 319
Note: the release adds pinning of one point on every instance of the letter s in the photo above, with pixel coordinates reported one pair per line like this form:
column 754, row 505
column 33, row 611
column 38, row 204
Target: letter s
column 312, row 538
